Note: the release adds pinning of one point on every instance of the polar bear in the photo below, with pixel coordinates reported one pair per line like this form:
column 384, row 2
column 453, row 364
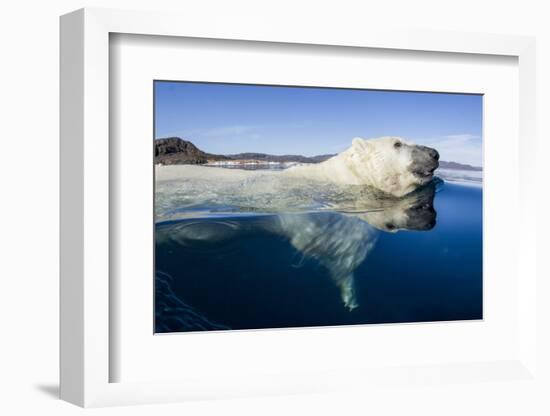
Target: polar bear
column 389, row 164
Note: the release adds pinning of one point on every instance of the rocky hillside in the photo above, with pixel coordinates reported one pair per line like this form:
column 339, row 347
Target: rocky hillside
column 176, row 151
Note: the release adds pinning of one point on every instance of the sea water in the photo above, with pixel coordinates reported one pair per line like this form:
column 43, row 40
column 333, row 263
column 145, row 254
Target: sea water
column 281, row 258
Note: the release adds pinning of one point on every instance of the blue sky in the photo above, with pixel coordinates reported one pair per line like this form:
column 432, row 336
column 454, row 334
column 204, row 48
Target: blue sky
column 231, row 118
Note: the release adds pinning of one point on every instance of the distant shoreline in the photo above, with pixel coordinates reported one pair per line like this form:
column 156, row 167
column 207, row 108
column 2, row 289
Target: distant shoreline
column 176, row 151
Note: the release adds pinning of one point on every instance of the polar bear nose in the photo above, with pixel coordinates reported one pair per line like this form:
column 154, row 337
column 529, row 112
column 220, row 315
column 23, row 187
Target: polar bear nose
column 433, row 153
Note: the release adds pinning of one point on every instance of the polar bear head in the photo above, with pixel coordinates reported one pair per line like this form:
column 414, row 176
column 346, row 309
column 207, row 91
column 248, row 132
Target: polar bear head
column 391, row 164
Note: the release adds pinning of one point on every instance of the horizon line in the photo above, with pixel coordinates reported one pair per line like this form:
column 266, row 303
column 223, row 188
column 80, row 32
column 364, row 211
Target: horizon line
column 290, row 154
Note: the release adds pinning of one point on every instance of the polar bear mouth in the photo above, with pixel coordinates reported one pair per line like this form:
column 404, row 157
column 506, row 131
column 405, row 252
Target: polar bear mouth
column 424, row 173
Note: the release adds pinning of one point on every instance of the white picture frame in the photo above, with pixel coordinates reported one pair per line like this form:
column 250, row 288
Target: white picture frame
column 86, row 217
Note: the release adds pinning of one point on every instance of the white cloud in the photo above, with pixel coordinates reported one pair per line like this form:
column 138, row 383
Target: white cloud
column 462, row 137
column 462, row 148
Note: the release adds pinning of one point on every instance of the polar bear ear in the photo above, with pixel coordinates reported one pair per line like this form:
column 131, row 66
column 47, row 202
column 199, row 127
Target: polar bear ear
column 359, row 143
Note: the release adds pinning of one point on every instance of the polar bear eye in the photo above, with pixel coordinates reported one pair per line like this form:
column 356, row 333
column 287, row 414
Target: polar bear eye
column 397, row 145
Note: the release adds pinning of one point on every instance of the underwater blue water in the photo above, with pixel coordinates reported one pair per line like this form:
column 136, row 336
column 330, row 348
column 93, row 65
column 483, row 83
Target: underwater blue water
column 239, row 271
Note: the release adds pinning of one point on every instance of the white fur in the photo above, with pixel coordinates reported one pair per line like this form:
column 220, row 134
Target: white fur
column 374, row 162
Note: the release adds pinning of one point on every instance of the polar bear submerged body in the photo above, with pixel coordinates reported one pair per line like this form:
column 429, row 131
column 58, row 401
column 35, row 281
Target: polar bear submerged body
column 389, row 164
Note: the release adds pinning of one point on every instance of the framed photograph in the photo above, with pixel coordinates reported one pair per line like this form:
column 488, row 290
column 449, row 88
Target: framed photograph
column 286, row 220
column 264, row 211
